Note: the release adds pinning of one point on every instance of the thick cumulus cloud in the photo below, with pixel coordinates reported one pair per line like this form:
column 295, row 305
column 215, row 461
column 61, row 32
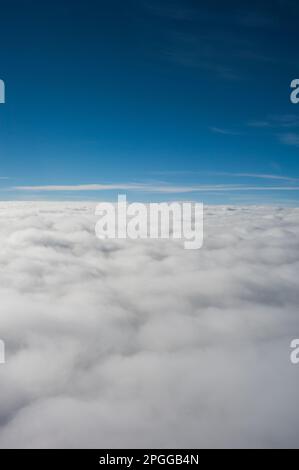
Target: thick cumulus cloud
column 143, row 343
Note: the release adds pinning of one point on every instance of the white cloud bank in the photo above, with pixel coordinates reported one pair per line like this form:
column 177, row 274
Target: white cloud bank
column 145, row 344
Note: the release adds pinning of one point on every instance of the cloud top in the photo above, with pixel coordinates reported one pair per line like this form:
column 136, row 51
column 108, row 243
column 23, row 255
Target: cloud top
column 145, row 344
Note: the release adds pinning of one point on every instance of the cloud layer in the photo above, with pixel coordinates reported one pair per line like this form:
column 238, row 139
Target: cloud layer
column 143, row 343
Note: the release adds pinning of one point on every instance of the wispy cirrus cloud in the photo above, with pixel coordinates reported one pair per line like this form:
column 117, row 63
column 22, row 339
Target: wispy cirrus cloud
column 191, row 53
column 171, row 10
column 259, row 124
column 277, row 121
column 259, row 176
column 215, row 49
column 263, row 176
column 281, row 127
column 220, row 130
column 290, row 138
column 150, row 188
column 83, row 187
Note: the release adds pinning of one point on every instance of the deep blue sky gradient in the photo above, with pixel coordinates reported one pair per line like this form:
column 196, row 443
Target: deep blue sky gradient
column 166, row 92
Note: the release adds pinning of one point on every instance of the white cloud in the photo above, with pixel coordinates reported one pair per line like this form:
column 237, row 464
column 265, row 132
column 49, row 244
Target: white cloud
column 156, row 188
column 125, row 343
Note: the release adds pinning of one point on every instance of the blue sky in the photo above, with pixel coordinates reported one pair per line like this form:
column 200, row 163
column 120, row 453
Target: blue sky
column 158, row 99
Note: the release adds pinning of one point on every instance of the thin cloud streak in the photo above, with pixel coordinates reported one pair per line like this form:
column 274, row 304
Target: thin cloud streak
column 154, row 189
column 218, row 130
column 229, row 174
column 290, row 139
column 260, row 176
